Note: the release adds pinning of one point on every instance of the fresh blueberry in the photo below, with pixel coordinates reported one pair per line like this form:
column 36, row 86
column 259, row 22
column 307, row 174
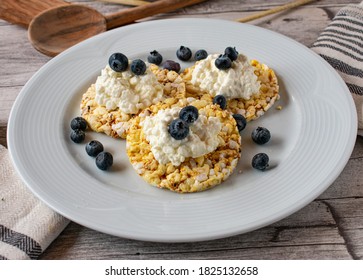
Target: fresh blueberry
column 118, row 62
column 155, row 58
column 138, row 67
column 184, row 53
column 79, row 123
column 172, row 65
column 261, row 135
column 200, row 54
column 93, row 148
column 260, row 161
column 178, row 129
column 221, row 101
column 189, row 114
column 78, row 135
column 223, row 62
column 232, row 53
column 104, row 160
column 241, row 121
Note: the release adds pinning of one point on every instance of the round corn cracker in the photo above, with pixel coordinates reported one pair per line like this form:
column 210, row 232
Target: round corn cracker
column 194, row 174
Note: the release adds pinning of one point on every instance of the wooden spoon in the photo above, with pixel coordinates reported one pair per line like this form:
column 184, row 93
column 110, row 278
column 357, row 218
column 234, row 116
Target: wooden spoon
column 22, row 12
column 57, row 29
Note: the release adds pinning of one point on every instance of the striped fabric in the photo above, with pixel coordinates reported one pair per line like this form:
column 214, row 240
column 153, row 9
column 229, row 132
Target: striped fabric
column 341, row 45
column 27, row 226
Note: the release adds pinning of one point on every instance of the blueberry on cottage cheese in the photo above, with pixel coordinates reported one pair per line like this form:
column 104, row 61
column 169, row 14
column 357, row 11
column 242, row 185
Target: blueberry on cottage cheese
column 261, row 135
column 104, row 160
column 223, row 62
column 189, row 114
column 231, row 53
column 221, row 101
column 118, row 62
column 79, row 123
column 200, row 54
column 178, row 129
column 93, row 148
column 172, row 66
column 184, row 53
column 241, row 121
column 77, row 135
column 138, row 67
column 260, row 161
column 155, row 58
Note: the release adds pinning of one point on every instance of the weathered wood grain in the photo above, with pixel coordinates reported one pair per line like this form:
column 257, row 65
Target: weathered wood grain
column 331, row 227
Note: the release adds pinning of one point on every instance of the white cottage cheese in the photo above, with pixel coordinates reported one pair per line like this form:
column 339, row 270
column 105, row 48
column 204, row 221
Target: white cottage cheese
column 239, row 81
column 202, row 138
column 127, row 91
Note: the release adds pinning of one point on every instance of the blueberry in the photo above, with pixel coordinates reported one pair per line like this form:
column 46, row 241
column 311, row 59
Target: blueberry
column 232, row 53
column 260, row 161
column 93, row 148
column 189, row 114
column 178, row 129
column 104, row 160
column 241, row 121
column 221, row 101
column 118, row 62
column 79, row 123
column 155, row 58
column 261, row 135
column 223, row 62
column 138, row 67
column 78, row 135
column 200, row 54
column 172, row 65
column 184, row 53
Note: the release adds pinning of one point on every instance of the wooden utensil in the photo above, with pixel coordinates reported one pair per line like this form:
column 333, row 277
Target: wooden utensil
column 277, row 9
column 22, row 12
column 57, row 29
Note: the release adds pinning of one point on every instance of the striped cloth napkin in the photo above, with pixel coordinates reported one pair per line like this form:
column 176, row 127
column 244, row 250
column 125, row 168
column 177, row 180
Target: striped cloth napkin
column 27, row 226
column 341, row 45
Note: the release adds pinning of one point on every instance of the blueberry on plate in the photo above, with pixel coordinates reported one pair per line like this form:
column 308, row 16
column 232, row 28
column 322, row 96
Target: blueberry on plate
column 77, row 135
column 200, row 54
column 189, row 114
column 155, row 58
column 221, row 101
column 261, row 135
column 232, row 53
column 104, row 160
column 241, row 121
column 260, row 161
column 184, row 53
column 79, row 123
column 172, row 66
column 178, row 129
column 118, row 62
column 93, row 148
column 138, row 67
column 223, row 62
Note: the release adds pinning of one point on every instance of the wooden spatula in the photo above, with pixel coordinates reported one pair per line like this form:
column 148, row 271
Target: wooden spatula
column 22, row 12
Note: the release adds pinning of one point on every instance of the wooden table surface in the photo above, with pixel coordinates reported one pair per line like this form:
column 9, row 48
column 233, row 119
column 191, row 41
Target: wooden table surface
column 331, row 227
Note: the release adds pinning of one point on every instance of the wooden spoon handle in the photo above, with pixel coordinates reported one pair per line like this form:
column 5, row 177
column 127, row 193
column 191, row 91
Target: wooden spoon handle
column 130, row 15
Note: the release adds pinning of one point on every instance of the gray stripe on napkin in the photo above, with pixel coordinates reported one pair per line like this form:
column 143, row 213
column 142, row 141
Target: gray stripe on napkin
column 21, row 241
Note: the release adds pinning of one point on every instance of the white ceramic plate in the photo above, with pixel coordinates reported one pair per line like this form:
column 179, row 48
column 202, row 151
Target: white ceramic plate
column 312, row 138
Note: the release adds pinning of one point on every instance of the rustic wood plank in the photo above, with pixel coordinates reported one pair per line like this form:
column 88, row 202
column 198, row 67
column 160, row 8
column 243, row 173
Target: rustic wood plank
column 330, row 227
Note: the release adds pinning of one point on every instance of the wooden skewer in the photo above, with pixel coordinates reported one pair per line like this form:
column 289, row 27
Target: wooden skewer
column 281, row 8
column 127, row 2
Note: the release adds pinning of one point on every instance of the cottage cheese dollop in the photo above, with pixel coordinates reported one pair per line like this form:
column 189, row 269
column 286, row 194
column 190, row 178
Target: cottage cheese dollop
column 239, row 81
column 127, row 91
column 202, row 138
